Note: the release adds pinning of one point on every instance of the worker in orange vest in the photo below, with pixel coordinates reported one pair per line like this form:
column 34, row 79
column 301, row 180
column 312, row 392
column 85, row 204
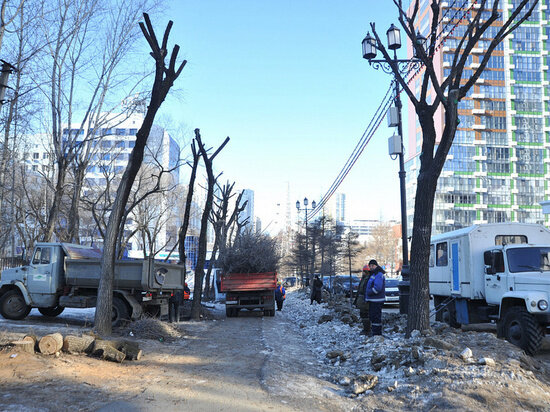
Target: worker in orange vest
column 280, row 295
column 186, row 292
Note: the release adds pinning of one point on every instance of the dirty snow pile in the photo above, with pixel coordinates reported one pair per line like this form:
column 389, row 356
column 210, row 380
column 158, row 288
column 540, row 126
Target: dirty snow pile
column 422, row 370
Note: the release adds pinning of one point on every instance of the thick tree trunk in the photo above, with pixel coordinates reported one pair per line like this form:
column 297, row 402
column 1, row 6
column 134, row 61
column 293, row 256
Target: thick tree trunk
column 419, row 301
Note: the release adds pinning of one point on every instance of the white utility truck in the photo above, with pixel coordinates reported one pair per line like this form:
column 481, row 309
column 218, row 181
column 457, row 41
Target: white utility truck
column 494, row 273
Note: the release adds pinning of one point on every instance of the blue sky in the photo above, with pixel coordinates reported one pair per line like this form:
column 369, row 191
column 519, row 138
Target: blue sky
column 285, row 80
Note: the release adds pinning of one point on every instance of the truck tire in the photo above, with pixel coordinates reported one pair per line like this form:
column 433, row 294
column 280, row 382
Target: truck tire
column 522, row 329
column 121, row 313
column 52, row 312
column 448, row 315
column 229, row 312
column 13, row 305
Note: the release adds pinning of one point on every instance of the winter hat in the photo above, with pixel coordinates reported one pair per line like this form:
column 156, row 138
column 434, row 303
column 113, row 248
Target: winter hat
column 366, row 268
column 373, row 262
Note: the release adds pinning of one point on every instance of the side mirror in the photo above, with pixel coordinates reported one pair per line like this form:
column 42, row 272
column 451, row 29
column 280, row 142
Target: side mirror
column 488, row 258
column 489, row 270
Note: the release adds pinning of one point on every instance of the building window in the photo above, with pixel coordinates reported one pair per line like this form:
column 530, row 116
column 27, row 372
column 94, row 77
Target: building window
column 121, row 132
column 36, row 156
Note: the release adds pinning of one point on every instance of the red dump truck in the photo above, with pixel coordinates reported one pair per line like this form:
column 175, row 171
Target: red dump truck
column 249, row 291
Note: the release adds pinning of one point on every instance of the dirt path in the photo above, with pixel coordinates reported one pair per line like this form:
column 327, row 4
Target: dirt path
column 219, row 365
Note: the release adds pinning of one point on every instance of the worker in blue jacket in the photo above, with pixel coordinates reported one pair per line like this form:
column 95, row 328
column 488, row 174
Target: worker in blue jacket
column 280, row 295
column 375, row 294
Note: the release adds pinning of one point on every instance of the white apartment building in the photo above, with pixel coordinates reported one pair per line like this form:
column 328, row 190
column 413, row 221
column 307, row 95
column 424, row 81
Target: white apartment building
column 110, row 147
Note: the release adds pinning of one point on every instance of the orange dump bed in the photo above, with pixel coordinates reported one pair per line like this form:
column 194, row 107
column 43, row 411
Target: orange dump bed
column 241, row 282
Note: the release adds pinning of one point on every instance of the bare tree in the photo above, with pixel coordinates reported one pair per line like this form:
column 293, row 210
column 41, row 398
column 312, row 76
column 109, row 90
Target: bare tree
column 222, row 224
column 201, row 255
column 163, row 82
column 351, row 248
column 182, row 234
column 449, row 91
column 382, row 245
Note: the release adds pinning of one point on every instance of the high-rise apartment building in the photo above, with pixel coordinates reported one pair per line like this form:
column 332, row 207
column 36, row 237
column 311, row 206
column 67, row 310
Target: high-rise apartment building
column 340, row 214
column 248, row 212
column 497, row 169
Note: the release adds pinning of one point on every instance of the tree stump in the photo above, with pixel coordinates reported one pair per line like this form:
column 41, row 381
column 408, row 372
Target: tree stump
column 24, row 345
column 107, row 349
column 78, row 344
column 51, row 344
column 130, row 349
column 34, row 339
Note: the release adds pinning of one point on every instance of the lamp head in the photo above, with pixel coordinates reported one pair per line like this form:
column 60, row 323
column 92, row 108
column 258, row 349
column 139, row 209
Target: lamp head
column 394, row 38
column 420, row 41
column 369, row 48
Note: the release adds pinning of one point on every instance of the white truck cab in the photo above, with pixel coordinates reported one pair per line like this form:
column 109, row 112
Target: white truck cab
column 494, row 272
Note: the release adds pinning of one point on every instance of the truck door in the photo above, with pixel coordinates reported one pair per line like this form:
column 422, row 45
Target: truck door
column 39, row 277
column 495, row 281
column 455, row 269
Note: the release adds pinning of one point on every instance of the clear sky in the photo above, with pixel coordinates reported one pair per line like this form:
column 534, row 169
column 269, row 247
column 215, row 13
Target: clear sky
column 285, row 80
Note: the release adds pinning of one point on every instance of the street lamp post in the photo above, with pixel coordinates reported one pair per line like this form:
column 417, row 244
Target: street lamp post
column 313, row 204
column 396, row 146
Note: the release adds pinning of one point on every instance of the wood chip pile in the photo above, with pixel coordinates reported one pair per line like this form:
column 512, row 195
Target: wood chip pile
column 149, row 328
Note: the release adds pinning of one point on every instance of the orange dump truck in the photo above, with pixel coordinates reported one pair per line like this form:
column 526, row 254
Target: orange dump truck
column 249, row 291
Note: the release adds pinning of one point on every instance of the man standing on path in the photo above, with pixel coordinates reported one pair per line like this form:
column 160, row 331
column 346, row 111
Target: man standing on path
column 280, row 295
column 316, row 290
column 375, row 294
column 361, row 303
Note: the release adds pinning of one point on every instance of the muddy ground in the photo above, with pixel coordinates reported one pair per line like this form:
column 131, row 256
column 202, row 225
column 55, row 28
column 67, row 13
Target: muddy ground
column 281, row 363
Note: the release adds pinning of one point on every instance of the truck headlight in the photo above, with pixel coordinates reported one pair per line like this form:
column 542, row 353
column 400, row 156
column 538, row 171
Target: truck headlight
column 542, row 304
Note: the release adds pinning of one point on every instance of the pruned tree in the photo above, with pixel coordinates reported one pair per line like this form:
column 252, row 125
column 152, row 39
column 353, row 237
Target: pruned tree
column 222, row 223
column 201, row 255
column 448, row 92
column 165, row 76
column 182, row 233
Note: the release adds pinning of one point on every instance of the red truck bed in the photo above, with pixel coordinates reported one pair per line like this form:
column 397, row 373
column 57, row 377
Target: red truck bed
column 242, row 282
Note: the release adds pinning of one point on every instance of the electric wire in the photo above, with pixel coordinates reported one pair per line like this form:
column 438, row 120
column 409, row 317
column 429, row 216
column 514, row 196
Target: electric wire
column 358, row 150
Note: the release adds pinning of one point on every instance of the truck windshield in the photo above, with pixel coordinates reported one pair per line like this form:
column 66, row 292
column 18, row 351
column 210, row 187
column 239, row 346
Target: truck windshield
column 529, row 259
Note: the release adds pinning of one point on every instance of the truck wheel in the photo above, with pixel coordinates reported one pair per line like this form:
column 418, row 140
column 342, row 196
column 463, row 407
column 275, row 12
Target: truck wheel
column 13, row 305
column 229, row 312
column 521, row 329
column 448, row 315
column 52, row 312
column 120, row 314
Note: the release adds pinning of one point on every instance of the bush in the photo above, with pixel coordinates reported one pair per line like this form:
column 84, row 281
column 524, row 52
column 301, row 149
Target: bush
column 251, row 253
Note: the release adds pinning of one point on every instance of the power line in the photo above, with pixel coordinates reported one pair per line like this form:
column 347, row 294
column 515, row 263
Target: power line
column 358, row 150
